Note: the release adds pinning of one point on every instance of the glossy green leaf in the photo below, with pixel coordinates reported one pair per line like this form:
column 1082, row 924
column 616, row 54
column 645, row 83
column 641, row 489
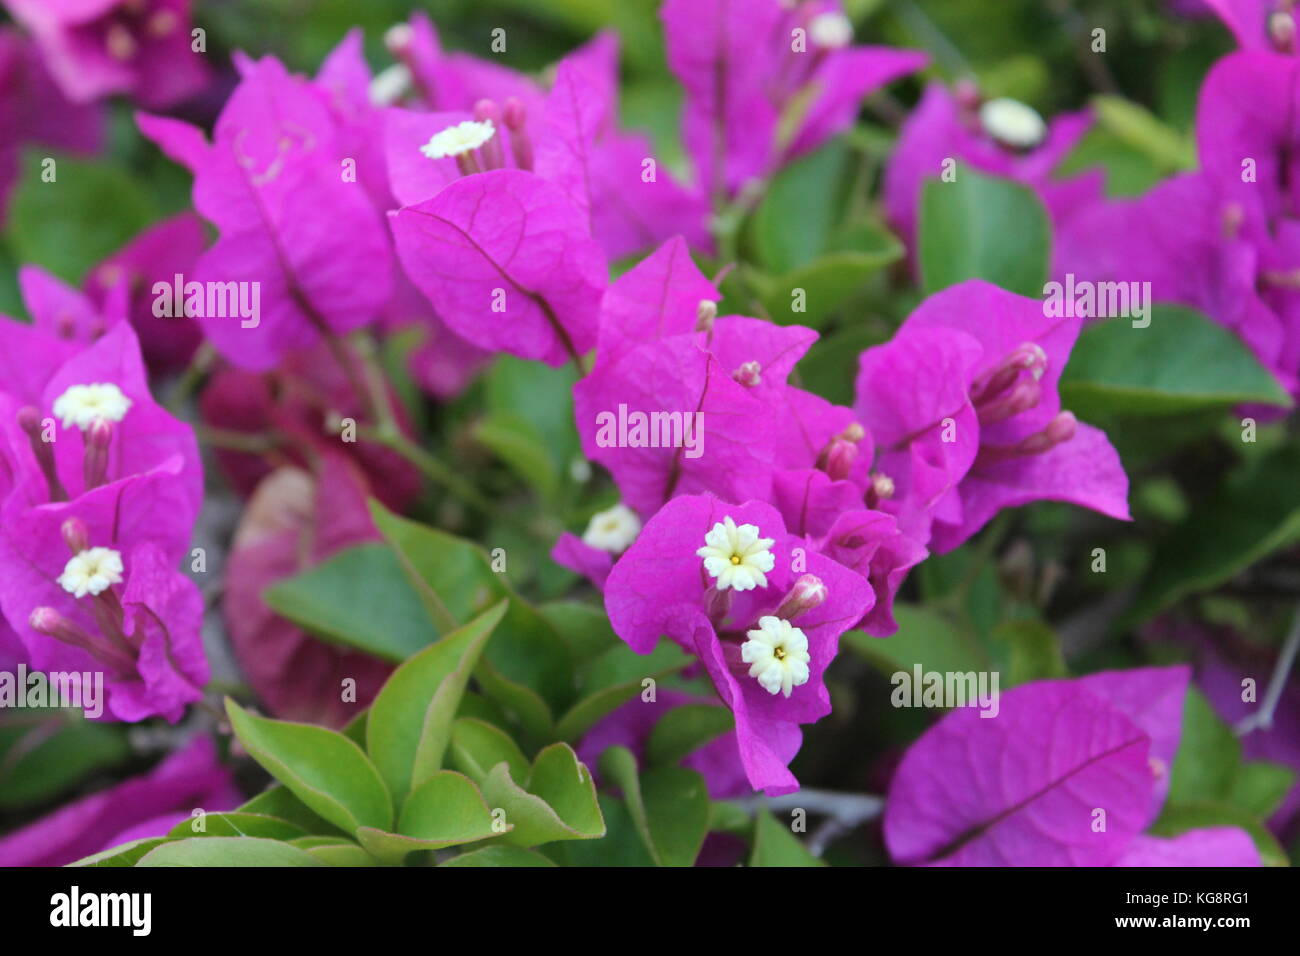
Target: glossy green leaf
column 39, row 761
column 669, row 806
column 499, row 856
column 237, row 824
column 446, row 810
column 1209, row 754
column 324, row 769
column 1260, row 787
column 614, row 678
column 410, row 720
column 1182, row 362
column 228, row 851
column 559, row 802
column 477, row 746
column 125, row 854
column 776, row 845
column 982, row 227
column 685, row 729
column 358, row 598
column 1035, row 651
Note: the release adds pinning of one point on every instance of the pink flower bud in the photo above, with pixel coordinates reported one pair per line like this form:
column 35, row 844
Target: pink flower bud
column 749, row 374
column 807, row 593
column 75, row 535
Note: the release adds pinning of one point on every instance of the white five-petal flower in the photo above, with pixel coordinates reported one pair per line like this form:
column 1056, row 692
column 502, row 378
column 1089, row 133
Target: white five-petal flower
column 91, row 571
column 461, row 138
column 736, row 556
column 80, row 405
column 777, row 655
column 613, row 530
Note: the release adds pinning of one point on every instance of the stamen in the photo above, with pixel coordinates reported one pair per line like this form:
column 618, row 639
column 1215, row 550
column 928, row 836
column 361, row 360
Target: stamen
column 749, row 374
column 97, row 440
column 29, row 420
column 515, row 117
column 705, row 315
column 882, row 489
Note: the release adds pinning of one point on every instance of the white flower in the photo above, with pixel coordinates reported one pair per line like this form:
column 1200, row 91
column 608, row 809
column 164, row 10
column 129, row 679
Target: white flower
column 80, row 405
column 458, row 139
column 737, row 556
column 777, row 655
column 613, row 530
column 1013, row 123
column 830, row 30
column 91, row 571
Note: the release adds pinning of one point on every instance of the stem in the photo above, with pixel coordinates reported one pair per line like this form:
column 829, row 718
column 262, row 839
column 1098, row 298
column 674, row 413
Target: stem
column 200, row 365
column 1263, row 718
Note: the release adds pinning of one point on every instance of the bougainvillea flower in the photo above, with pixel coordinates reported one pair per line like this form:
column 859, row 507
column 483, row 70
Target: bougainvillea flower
column 963, row 404
column 630, row 726
column 766, row 81
column 1258, row 24
column 658, row 297
column 91, row 585
column 762, row 611
column 33, row 110
column 1005, row 141
column 871, row 543
column 608, row 534
column 1225, row 240
column 156, row 255
column 295, row 520
column 95, row 423
column 65, row 312
column 508, row 263
column 456, row 81
column 305, row 252
column 1028, row 786
column 96, row 48
column 148, row 806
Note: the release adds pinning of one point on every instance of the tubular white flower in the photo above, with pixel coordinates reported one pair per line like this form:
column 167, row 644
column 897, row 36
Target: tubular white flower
column 1012, row 122
column 736, row 556
column 80, row 405
column 777, row 655
column 92, row 571
column 613, row 530
column 455, row 140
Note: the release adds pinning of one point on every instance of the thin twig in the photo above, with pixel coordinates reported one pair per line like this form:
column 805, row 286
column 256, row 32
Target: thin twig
column 1262, row 719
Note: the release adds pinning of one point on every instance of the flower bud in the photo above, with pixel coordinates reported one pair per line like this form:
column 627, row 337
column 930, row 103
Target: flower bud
column 807, row 593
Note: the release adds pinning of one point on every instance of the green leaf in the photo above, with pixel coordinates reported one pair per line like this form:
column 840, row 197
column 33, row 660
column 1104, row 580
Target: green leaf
column 1137, row 127
column 341, row 854
column 527, row 667
column 1255, row 512
column 279, row 801
column 228, row 851
column 925, row 636
column 40, row 761
column 540, row 398
column 446, row 810
column 776, row 845
column 126, row 854
column 358, row 598
column 670, row 806
column 235, row 823
column 91, row 210
column 410, row 721
column 517, row 442
column 1178, row 818
column 324, row 769
column 621, row 845
column 499, row 856
column 477, row 746
column 1260, row 787
column 1209, row 754
column 584, row 627
column 1035, row 651
column 831, row 279
column 1183, row 362
column 559, row 802
column 801, row 209
column 685, row 729
column 614, row 678
column 983, row 227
